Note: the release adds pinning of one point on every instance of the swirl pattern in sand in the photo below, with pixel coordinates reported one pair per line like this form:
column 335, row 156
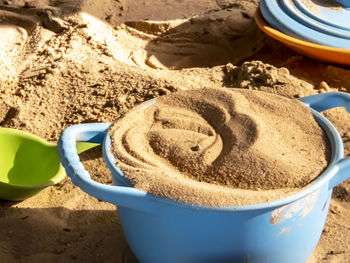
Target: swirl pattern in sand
column 220, row 147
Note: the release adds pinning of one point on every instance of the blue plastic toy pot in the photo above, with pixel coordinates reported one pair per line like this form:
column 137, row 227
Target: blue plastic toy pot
column 161, row 230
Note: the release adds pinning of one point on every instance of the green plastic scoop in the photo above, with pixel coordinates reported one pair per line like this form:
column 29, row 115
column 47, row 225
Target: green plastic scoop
column 28, row 164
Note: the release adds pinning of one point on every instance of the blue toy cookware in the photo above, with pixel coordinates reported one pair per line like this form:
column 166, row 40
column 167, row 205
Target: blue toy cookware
column 161, row 230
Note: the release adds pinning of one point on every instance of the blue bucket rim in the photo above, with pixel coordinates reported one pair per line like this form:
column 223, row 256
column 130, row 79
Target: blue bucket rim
column 337, row 153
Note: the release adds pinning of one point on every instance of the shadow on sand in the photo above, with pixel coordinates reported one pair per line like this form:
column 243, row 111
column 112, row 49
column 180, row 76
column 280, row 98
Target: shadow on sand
column 61, row 235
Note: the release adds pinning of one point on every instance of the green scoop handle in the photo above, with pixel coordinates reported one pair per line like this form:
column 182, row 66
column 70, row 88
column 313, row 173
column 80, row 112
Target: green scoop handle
column 28, row 164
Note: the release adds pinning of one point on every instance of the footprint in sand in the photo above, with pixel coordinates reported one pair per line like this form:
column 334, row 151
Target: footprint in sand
column 191, row 35
column 18, row 28
column 12, row 41
column 207, row 40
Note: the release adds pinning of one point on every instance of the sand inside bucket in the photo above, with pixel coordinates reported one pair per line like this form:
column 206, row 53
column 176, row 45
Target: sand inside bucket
column 220, row 147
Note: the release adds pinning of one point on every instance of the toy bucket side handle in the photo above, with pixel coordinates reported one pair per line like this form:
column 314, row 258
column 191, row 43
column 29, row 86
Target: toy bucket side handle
column 341, row 173
column 322, row 102
column 327, row 100
column 94, row 133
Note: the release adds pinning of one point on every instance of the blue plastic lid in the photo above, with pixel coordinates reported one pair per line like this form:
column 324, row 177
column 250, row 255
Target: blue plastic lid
column 324, row 22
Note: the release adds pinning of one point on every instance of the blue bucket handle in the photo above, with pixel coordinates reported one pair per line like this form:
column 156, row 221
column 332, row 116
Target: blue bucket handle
column 325, row 101
column 95, row 133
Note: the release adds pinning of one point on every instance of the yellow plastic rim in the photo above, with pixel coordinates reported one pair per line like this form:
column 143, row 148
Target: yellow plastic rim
column 319, row 52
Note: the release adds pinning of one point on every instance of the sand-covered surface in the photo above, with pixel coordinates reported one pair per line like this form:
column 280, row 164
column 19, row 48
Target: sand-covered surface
column 220, row 147
column 64, row 62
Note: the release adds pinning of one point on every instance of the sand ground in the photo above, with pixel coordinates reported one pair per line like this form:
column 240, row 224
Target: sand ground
column 65, row 62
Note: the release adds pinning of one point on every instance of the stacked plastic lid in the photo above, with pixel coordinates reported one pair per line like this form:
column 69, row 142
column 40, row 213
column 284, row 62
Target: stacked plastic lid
column 323, row 25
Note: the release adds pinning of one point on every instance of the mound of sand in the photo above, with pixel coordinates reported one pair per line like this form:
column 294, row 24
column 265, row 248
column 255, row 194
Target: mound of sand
column 210, row 144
